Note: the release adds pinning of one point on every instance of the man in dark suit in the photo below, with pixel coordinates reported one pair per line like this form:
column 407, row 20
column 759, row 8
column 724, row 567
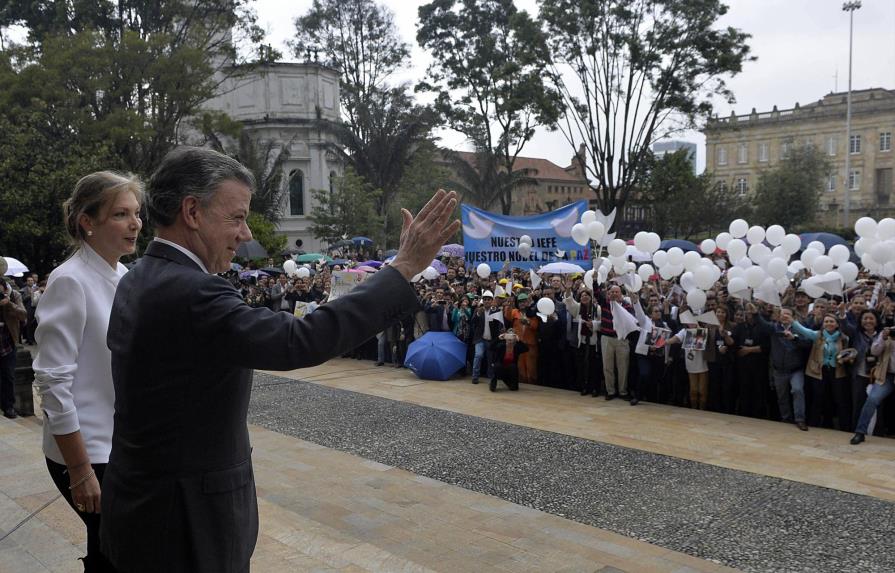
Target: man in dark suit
column 179, row 492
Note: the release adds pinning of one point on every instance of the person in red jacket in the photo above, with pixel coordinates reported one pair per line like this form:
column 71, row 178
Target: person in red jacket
column 506, row 360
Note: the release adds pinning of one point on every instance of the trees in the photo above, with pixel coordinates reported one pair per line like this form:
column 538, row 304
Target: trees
column 345, row 211
column 788, row 194
column 683, row 204
column 634, row 71
column 489, row 61
column 265, row 232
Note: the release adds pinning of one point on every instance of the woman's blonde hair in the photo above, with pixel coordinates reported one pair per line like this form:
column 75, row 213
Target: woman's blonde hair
column 91, row 194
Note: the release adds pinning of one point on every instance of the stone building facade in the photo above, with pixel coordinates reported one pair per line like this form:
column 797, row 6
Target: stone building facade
column 285, row 102
column 739, row 147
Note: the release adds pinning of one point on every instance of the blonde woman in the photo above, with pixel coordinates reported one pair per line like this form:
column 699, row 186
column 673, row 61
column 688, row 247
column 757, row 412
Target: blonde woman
column 73, row 368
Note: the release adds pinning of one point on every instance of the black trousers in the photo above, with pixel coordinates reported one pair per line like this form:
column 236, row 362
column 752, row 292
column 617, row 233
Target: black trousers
column 830, row 396
column 94, row 561
column 7, row 380
column 509, row 374
column 588, row 367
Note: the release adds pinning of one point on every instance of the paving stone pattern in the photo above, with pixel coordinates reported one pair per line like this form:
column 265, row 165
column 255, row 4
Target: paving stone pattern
column 744, row 520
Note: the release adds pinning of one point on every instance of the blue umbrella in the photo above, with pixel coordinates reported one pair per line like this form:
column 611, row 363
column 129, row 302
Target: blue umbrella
column 436, row 356
column 683, row 245
column 828, row 239
column 362, row 241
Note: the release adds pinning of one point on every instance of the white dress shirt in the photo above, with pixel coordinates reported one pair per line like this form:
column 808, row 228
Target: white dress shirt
column 73, row 368
column 185, row 251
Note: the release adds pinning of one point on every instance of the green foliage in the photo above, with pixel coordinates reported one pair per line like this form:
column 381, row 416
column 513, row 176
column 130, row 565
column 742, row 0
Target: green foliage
column 265, row 233
column 682, row 204
column 635, row 71
column 489, row 64
column 788, row 194
column 348, row 210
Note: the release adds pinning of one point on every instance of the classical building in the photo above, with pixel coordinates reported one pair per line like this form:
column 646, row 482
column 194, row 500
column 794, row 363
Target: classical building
column 739, row 147
column 551, row 187
column 285, row 102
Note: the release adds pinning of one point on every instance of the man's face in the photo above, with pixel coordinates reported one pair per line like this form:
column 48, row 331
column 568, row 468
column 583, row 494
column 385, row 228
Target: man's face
column 653, row 300
column 615, row 293
column 451, row 274
column 29, row 281
column 801, row 299
column 786, row 316
column 858, row 305
column 556, row 283
column 222, row 226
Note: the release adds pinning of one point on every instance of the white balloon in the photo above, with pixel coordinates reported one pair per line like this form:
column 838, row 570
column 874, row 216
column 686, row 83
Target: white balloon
column 483, row 270
column 642, row 241
column 865, row 227
column 676, row 270
column 755, row 234
column 596, row 230
column 822, row 265
column 546, row 306
column 691, row 260
column 630, row 267
column 645, row 272
column 736, row 285
column 660, row 259
column 617, row 248
column 888, row 270
column 303, row 272
column 792, row 243
column 811, row 288
column 589, row 279
column 416, row 278
column 777, row 268
column 704, row 277
column 430, row 273
column 738, row 228
column 817, row 246
column 886, row 228
column 579, row 233
column 862, row 246
column 735, row 272
column 675, row 256
column 654, row 242
column 696, row 300
column 849, row 272
column 759, row 253
column 289, row 267
column 722, row 240
column 588, row 216
column 808, row 256
column 667, row 272
column 755, row 276
column 525, row 240
column 839, row 254
column 779, row 253
column 795, row 267
column 708, row 246
column 736, row 249
column 602, row 275
column 744, row 263
column 774, row 235
column 687, row 282
column 880, row 252
column 524, row 250
column 638, row 284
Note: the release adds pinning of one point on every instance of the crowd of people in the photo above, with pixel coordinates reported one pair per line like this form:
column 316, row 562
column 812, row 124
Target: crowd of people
column 810, row 362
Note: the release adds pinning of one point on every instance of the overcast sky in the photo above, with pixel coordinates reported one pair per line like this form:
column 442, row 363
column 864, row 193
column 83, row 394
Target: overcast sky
column 801, row 45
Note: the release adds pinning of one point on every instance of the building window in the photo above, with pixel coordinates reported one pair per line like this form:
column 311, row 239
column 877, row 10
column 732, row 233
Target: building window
column 763, row 152
column 722, row 186
column 831, row 183
column 296, row 192
column 854, row 144
column 742, row 153
column 809, row 142
column 741, row 186
column 831, row 145
column 784, row 149
column 885, row 141
column 854, row 179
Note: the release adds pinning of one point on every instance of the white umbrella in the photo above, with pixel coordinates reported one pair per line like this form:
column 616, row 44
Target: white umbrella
column 637, row 255
column 14, row 267
column 560, row 269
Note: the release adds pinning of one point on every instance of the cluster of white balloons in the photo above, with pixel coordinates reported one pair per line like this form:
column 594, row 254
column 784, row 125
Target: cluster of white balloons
column 524, row 247
column 293, row 270
column 588, row 229
column 876, row 245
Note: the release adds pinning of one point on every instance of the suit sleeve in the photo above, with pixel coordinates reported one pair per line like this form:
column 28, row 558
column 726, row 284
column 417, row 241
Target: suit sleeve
column 260, row 338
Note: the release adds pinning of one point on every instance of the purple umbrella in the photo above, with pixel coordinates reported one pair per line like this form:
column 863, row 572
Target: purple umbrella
column 374, row 264
column 438, row 266
column 453, row 250
column 252, row 274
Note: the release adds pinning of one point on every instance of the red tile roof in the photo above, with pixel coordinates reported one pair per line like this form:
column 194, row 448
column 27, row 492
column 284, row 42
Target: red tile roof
column 541, row 168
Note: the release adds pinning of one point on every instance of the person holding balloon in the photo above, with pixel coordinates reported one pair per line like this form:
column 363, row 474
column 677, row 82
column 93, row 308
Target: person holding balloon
column 883, row 383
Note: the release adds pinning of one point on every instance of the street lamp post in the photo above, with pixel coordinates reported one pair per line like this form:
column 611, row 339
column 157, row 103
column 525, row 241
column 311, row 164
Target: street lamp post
column 849, row 7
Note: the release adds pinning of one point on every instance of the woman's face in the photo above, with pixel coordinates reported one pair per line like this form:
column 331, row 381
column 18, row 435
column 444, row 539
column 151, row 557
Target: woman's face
column 115, row 234
column 868, row 322
column 739, row 315
column 585, row 298
column 656, row 314
column 830, row 324
column 721, row 313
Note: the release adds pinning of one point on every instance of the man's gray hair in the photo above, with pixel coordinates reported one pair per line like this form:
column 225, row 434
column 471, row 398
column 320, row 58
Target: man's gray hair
column 190, row 172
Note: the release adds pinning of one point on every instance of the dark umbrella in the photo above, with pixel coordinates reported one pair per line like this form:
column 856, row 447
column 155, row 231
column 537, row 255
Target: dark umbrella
column 251, row 250
column 683, row 245
column 436, row 356
column 235, row 267
column 390, row 253
column 252, row 274
column 362, row 241
column 273, row 270
column 335, row 262
column 289, row 251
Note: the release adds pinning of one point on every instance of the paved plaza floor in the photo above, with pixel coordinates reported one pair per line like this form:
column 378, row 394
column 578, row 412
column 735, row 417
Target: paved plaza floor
column 360, row 468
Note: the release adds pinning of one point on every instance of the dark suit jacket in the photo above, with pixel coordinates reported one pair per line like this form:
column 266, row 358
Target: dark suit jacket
column 179, row 493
